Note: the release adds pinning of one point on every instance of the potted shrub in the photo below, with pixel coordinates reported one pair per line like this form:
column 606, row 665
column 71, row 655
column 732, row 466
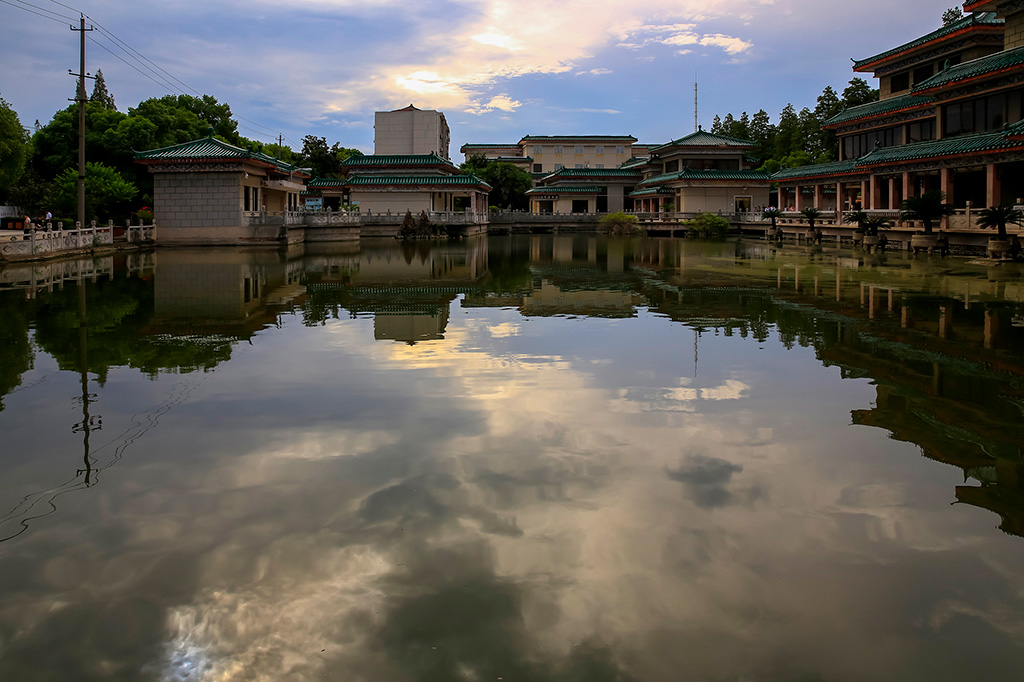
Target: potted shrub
column 928, row 208
column 860, row 217
column 1000, row 246
column 772, row 213
column 872, row 225
column 811, row 214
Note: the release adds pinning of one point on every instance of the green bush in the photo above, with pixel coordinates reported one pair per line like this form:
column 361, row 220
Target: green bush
column 620, row 224
column 709, row 226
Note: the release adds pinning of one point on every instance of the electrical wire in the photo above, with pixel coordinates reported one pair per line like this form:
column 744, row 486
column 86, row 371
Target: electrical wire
column 38, row 14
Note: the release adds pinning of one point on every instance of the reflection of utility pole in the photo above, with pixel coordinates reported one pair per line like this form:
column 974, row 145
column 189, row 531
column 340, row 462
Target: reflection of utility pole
column 88, row 423
column 81, row 98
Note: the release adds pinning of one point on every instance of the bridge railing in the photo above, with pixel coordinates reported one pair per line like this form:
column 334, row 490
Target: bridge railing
column 50, row 239
column 330, row 218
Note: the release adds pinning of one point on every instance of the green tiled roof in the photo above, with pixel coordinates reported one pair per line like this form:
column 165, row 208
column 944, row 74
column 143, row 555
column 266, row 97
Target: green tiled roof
column 634, row 162
column 395, row 160
column 703, row 138
column 974, row 68
column 513, row 159
column 953, row 146
column 817, row 170
column 651, row 191
column 571, row 189
column 981, row 19
column 690, row 174
column 883, row 106
column 209, row 149
column 325, row 182
column 498, row 145
column 580, row 138
column 593, row 173
column 443, row 180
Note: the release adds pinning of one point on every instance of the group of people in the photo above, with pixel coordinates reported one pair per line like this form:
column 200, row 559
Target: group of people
column 40, row 223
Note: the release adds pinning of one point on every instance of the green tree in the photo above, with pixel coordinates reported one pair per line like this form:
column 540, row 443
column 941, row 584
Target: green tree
column 762, row 133
column 14, row 149
column 620, row 224
column 828, row 105
column 325, row 161
column 716, row 125
column 100, row 95
column 108, row 196
column 859, row 92
column 952, row 15
column 508, row 182
column 787, row 138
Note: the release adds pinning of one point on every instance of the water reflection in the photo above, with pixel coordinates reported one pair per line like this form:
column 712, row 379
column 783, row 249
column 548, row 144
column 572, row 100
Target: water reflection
column 540, row 457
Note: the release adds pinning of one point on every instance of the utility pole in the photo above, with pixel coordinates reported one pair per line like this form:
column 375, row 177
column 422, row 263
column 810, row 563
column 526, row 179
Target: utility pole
column 696, row 120
column 81, row 98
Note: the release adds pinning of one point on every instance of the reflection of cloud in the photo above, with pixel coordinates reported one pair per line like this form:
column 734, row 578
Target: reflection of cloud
column 707, row 479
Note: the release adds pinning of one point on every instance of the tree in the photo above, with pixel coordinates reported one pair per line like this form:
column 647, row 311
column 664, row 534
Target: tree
column 787, row 138
column 952, row 15
column 762, row 133
column 811, row 214
column 620, row 224
column 14, row 148
column 928, row 208
column 107, row 194
column 859, row 92
column 508, row 182
column 998, row 217
column 100, row 95
column 324, row 161
column 716, row 125
column 828, row 105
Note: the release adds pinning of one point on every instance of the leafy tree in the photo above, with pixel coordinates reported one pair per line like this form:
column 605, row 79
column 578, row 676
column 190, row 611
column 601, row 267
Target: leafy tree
column 952, row 15
column 762, row 133
column 998, row 217
column 14, row 148
column 859, row 92
column 828, row 105
column 324, row 161
column 787, row 138
column 107, row 194
column 100, row 95
column 508, row 182
column 716, row 125
column 811, row 214
column 928, row 208
column 620, row 224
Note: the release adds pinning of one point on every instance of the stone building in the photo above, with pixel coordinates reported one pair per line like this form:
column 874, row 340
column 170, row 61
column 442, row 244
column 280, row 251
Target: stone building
column 209, row 191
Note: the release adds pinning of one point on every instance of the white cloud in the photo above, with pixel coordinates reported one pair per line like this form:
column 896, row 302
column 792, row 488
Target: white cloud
column 594, row 72
column 498, row 102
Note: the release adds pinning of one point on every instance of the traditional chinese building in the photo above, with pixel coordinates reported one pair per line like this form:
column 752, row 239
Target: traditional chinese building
column 949, row 118
column 207, row 191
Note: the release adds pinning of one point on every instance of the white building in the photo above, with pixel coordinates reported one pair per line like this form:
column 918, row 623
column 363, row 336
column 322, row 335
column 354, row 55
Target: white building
column 411, row 131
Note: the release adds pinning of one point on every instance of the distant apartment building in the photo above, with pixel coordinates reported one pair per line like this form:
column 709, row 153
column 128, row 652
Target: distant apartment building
column 544, row 154
column 411, row 131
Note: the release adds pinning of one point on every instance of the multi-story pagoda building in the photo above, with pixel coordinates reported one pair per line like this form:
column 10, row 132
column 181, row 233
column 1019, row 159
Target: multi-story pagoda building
column 950, row 117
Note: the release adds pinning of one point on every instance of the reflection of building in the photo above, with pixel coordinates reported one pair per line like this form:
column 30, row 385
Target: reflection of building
column 948, row 118
column 411, row 131
column 204, row 189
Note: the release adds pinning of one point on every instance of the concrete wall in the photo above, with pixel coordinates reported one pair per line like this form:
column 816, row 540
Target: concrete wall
column 1014, row 34
column 411, row 132
column 396, row 202
column 717, row 199
column 190, row 200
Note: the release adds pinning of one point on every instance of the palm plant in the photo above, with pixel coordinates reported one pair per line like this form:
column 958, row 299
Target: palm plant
column 872, row 224
column 928, row 208
column 811, row 214
column 998, row 217
column 860, row 217
column 771, row 213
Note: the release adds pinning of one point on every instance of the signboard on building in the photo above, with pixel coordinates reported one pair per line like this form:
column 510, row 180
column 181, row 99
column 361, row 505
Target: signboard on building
column 314, row 203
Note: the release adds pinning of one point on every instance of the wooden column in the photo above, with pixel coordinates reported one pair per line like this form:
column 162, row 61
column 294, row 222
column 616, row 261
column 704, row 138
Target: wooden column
column 819, row 196
column 865, row 191
column 798, row 202
column 993, row 190
column 893, row 203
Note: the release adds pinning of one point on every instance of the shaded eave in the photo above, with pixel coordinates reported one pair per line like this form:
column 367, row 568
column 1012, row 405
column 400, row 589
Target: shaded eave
column 879, row 109
column 566, row 189
column 578, row 138
column 984, row 22
column 466, row 180
column 983, row 68
column 748, row 176
column 704, row 140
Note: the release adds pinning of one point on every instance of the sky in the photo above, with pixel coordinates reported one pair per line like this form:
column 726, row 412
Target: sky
column 498, row 69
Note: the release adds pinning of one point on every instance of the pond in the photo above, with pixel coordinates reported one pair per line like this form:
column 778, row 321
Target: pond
column 512, row 458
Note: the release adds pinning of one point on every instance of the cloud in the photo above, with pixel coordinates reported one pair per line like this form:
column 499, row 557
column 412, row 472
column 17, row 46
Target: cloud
column 498, row 102
column 594, row 72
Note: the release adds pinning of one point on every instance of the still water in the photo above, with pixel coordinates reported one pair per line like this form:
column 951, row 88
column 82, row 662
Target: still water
column 522, row 458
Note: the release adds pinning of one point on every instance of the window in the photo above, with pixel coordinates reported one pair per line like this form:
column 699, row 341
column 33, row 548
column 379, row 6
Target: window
column 579, row 149
column 558, row 149
column 974, row 116
column 672, row 166
column 598, row 165
column 536, row 168
column 599, row 149
column 620, row 149
column 581, row 165
column 899, row 82
column 559, row 166
column 923, row 73
column 922, row 131
column 537, row 149
column 856, row 146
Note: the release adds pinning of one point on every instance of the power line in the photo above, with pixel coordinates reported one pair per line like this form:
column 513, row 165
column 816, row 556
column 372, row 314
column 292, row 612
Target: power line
column 165, row 81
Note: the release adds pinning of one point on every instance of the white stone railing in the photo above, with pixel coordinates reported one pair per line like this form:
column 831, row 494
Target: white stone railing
column 46, row 275
column 353, row 218
column 140, row 234
column 51, row 240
